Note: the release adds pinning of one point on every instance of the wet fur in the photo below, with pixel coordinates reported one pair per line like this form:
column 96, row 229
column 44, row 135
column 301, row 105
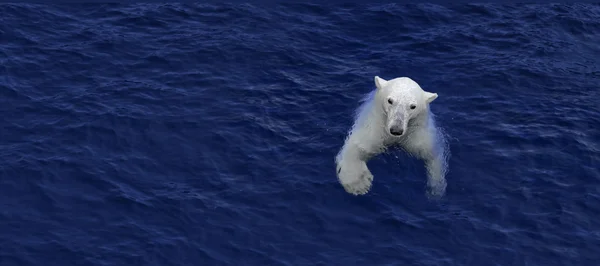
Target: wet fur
column 368, row 138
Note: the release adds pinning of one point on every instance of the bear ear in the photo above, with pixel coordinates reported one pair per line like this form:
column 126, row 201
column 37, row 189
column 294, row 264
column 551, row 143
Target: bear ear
column 429, row 97
column 379, row 82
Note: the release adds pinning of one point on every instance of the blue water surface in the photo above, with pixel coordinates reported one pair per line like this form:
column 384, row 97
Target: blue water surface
column 184, row 134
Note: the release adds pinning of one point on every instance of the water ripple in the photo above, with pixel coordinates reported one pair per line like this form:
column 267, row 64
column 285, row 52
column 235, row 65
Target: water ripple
column 205, row 134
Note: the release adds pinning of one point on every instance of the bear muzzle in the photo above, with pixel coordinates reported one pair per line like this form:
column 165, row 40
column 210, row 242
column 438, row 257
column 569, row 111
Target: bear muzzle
column 397, row 130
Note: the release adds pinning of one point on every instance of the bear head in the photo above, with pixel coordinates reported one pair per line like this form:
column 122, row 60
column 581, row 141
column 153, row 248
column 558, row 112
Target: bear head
column 402, row 100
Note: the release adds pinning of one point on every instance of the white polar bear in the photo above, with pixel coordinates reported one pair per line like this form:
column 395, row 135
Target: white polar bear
column 395, row 113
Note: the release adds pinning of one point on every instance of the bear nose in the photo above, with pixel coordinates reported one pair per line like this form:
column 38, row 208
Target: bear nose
column 396, row 130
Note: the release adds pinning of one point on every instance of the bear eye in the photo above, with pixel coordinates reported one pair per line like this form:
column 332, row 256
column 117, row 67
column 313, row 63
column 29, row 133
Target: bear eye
column 412, row 106
column 390, row 101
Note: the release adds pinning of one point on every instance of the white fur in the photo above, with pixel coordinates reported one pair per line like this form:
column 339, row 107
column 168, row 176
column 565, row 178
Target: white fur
column 371, row 135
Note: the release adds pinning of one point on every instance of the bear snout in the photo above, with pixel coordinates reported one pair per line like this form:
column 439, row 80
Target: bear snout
column 396, row 130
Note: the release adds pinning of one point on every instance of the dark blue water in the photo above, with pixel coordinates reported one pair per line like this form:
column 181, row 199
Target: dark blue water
column 206, row 135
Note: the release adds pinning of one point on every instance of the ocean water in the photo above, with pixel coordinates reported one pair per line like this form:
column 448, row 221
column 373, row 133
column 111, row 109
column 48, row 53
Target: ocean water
column 184, row 134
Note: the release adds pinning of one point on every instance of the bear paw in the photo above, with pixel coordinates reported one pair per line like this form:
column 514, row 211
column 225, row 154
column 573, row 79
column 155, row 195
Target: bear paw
column 436, row 188
column 356, row 180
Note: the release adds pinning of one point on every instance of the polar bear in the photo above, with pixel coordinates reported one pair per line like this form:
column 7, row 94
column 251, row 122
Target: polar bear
column 396, row 113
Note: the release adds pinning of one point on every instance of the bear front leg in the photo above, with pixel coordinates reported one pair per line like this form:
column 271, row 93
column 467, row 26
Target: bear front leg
column 351, row 162
column 436, row 180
